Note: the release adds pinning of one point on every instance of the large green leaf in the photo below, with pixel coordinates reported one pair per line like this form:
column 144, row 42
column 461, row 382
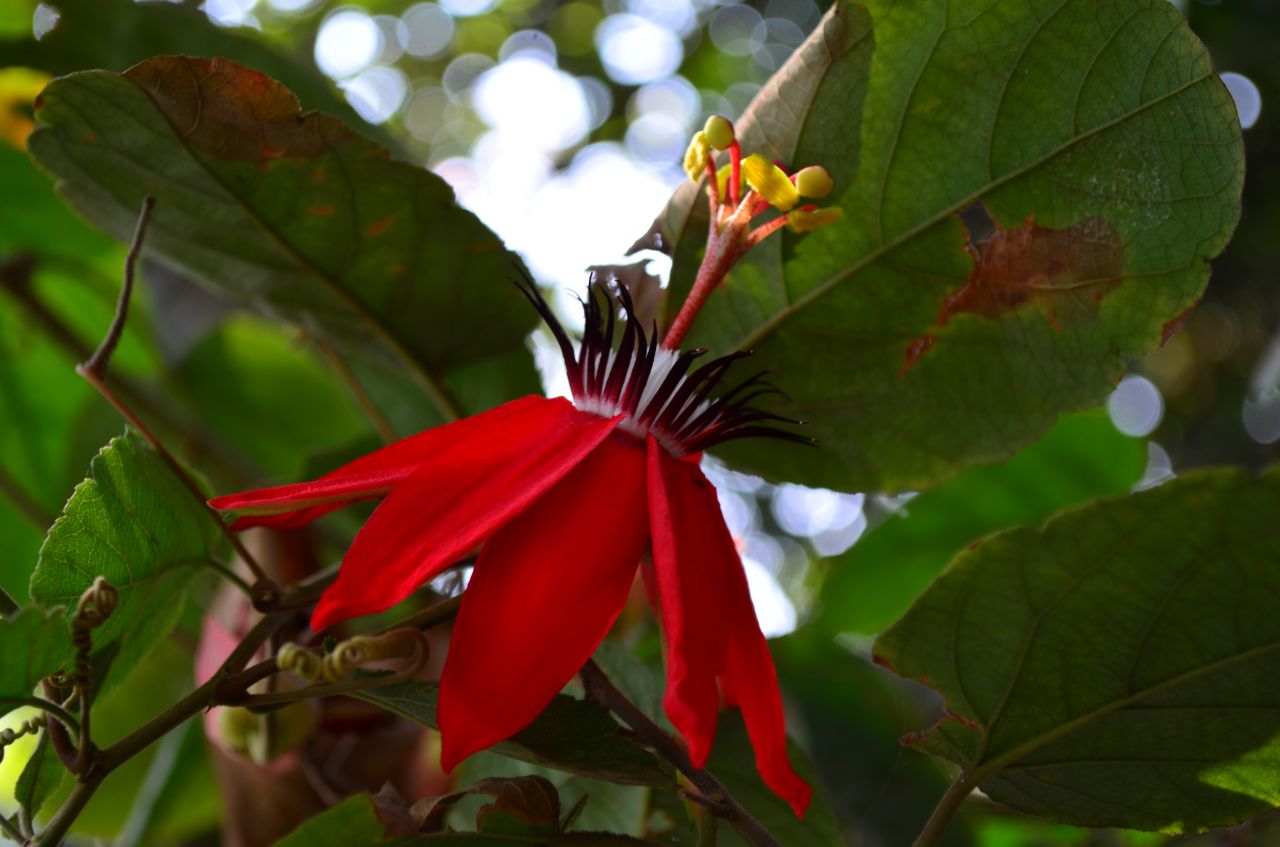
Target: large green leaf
column 135, row 524
column 35, row 643
column 1103, row 123
column 293, row 213
column 570, row 735
column 1116, row 667
column 1082, row 457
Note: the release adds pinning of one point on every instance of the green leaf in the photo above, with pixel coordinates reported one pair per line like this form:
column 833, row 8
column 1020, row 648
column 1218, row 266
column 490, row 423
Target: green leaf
column 39, row 779
column 570, row 735
column 1082, row 457
column 135, row 524
column 351, row 823
column 733, row 762
column 293, row 213
column 35, row 643
column 1115, row 667
column 1098, row 138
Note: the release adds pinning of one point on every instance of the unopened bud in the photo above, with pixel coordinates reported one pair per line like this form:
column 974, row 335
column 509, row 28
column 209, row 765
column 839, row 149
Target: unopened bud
column 695, row 157
column 813, row 181
column 719, row 132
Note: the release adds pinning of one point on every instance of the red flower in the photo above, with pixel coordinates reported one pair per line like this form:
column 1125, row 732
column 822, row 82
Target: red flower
column 565, row 499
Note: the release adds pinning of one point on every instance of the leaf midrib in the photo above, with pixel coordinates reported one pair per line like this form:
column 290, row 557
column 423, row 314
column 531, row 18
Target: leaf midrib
column 997, row 764
column 766, row 328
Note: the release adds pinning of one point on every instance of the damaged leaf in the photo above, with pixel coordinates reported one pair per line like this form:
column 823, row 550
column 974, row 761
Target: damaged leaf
column 1066, row 272
column 299, row 216
column 1101, row 143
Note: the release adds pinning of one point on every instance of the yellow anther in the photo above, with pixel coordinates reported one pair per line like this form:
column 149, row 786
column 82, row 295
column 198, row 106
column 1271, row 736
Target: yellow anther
column 813, row 181
column 802, row 220
column 770, row 182
column 719, row 132
column 695, row 158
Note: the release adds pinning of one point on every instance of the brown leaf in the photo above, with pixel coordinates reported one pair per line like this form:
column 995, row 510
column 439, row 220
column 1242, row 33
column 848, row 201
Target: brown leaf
column 233, row 112
column 532, row 799
column 1068, row 271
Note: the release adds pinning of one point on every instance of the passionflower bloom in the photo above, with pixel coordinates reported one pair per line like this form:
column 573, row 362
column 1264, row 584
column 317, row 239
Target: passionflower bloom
column 565, row 499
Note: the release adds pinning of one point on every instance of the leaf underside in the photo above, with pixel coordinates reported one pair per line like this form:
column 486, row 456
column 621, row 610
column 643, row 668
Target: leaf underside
column 1116, row 667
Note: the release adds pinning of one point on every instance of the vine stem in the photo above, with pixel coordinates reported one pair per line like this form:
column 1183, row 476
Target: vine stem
column 153, row 730
column 604, row 692
column 946, row 809
column 94, row 370
column 10, row 830
column 46, row 706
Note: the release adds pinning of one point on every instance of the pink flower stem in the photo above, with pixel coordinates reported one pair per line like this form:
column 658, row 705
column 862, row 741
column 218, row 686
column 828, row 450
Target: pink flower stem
column 735, row 172
column 763, row 231
column 726, row 244
column 713, row 189
column 724, row 248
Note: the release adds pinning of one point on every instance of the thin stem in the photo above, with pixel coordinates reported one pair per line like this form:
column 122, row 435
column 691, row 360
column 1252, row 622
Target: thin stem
column 11, row 831
column 224, row 570
column 375, row 415
column 735, row 172
column 35, row 514
column 94, row 372
column 763, row 231
column 602, row 691
column 85, row 751
column 297, row 695
column 97, row 363
column 944, row 812
column 432, row 615
column 147, row 734
column 15, row 280
column 713, row 191
column 175, row 466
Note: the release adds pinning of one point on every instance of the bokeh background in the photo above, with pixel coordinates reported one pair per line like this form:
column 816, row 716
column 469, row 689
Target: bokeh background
column 562, row 125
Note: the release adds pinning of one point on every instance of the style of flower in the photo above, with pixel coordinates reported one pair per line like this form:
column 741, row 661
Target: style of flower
column 565, row 500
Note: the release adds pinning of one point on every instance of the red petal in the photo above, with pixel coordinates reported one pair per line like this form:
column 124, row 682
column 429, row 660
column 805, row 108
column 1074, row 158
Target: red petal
column 711, row 625
column 454, row 500
column 290, row 506
column 544, row 594
column 687, row 559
